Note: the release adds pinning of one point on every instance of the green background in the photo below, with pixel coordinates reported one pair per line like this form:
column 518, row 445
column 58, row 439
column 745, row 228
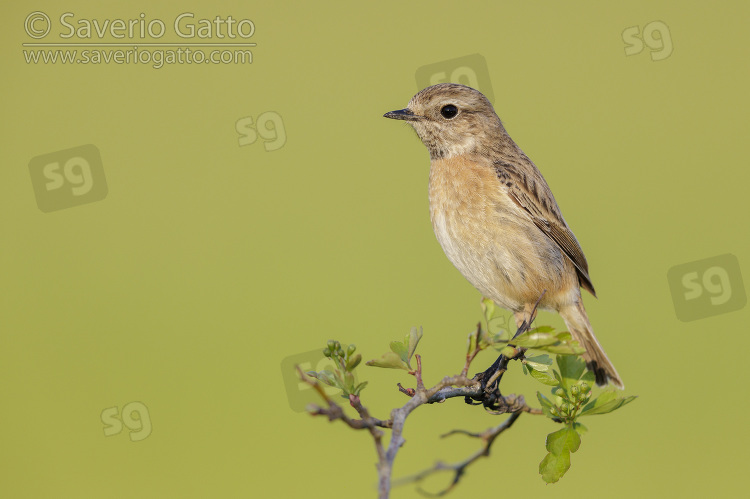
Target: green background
column 209, row 263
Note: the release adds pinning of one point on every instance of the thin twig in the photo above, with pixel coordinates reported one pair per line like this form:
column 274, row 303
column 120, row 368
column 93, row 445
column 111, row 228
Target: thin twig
column 448, row 387
column 488, row 437
column 335, row 411
column 418, row 374
column 407, row 391
column 472, row 355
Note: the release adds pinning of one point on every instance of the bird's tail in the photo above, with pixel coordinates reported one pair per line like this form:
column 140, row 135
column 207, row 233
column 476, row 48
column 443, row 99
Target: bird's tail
column 596, row 360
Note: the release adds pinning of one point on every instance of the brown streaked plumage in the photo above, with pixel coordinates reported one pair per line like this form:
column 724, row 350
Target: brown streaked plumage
column 495, row 216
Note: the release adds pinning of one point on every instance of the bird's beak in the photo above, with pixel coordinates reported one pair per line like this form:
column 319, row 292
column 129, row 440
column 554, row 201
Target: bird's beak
column 402, row 114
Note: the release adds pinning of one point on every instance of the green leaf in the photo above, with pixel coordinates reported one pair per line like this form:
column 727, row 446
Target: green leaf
column 389, row 360
column 401, row 352
column 353, row 362
column 400, row 349
column 581, row 429
column 473, row 340
column 606, row 402
column 543, row 338
column 412, row 340
column 348, row 385
column 542, row 329
column 509, row 351
column 563, row 440
column 571, row 369
column 546, row 404
column 543, row 359
column 543, row 377
column 325, row 376
column 603, row 399
column 488, row 309
column 553, row 467
column 534, row 340
column 359, row 388
column 569, row 348
column 536, row 366
column 557, row 462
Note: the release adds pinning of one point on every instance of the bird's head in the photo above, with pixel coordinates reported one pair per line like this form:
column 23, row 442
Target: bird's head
column 451, row 120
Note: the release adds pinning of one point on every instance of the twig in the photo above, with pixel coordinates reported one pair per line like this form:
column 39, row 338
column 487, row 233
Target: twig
column 475, row 389
column 491, row 398
column 407, row 391
column 334, row 411
column 418, row 374
column 448, row 387
column 488, row 437
column 377, row 434
column 472, row 355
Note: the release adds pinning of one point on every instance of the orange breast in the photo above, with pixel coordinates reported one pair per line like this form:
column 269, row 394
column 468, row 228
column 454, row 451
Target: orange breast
column 490, row 240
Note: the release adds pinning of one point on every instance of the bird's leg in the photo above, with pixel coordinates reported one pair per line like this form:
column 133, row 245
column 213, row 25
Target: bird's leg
column 489, row 380
column 527, row 315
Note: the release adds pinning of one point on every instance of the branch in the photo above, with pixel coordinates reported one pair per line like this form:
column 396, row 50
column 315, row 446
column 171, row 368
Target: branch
column 490, row 396
column 488, row 437
column 334, row 411
column 483, row 388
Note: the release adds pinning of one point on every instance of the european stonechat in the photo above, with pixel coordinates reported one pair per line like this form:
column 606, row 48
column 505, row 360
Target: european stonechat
column 496, row 218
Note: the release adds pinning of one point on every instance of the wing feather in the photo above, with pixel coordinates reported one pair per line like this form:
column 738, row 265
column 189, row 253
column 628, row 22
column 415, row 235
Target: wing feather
column 535, row 197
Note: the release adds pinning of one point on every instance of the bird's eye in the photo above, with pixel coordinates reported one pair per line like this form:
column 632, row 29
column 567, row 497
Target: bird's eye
column 449, row 111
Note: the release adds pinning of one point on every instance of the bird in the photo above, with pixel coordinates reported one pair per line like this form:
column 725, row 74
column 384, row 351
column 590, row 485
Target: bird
column 496, row 218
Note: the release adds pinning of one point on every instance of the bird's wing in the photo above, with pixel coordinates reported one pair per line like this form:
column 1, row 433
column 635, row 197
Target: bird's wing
column 532, row 194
